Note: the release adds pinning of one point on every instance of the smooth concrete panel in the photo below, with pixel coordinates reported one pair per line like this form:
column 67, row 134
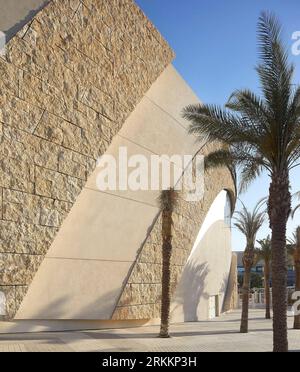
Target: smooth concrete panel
column 74, row 289
column 171, row 93
column 155, row 129
column 103, row 227
column 147, row 196
column 206, row 272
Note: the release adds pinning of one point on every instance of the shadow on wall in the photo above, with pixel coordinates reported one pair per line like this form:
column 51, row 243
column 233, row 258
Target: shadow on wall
column 205, row 275
column 138, row 254
column 190, row 294
column 13, row 14
column 193, row 279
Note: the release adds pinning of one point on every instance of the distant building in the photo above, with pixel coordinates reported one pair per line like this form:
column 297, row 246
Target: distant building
column 259, row 268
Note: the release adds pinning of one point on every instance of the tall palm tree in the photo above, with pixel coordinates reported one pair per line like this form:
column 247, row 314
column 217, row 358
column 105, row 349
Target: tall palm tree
column 167, row 203
column 265, row 253
column 248, row 223
column 294, row 252
column 261, row 133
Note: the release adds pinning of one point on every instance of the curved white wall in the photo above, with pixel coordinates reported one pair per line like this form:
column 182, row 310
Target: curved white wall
column 207, row 269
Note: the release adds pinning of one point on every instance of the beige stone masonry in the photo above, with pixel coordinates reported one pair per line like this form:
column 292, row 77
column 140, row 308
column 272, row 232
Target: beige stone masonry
column 69, row 80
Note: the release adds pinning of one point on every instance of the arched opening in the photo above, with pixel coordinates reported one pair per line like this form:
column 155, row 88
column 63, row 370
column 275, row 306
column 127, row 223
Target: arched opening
column 201, row 291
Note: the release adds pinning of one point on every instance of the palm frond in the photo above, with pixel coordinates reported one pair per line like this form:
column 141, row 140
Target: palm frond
column 249, row 223
column 275, row 72
column 295, row 196
column 265, row 250
column 213, row 123
column 295, row 210
column 252, row 108
column 260, row 132
column 168, row 199
column 219, row 158
column 249, row 173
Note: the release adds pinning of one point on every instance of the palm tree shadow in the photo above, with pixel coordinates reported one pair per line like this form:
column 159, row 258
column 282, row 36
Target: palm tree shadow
column 190, row 291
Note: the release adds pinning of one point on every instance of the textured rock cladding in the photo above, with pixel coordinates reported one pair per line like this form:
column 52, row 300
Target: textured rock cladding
column 141, row 296
column 69, row 80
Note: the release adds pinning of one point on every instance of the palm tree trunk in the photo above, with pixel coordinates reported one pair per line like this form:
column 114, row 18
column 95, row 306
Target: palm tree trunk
column 279, row 210
column 297, row 269
column 166, row 273
column 267, row 290
column 245, row 300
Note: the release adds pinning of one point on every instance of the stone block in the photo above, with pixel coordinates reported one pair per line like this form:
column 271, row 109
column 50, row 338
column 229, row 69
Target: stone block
column 57, row 185
column 99, row 101
column 19, row 114
column 25, row 238
column 7, row 302
column 17, row 175
column 18, row 269
column 73, row 164
column 10, row 76
column 146, row 273
column 33, row 209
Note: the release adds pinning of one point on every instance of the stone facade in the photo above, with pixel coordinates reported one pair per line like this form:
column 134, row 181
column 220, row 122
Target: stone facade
column 69, row 80
column 141, row 296
column 232, row 296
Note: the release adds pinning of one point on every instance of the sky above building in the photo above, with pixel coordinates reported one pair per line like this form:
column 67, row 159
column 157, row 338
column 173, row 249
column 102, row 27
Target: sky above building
column 216, row 53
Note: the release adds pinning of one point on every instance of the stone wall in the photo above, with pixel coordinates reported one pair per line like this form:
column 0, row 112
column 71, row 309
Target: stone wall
column 69, row 80
column 141, row 296
column 232, row 296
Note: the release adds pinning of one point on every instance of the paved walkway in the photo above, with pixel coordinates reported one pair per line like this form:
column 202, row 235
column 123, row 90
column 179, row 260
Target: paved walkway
column 221, row 334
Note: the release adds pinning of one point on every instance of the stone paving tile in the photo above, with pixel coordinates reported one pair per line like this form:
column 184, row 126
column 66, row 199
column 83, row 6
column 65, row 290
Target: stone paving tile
column 53, row 346
column 83, row 342
column 41, row 346
column 221, row 334
column 8, row 348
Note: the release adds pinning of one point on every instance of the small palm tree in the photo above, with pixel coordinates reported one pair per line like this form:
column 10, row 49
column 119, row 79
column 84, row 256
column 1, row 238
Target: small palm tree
column 265, row 253
column 294, row 252
column 261, row 133
column 167, row 203
column 248, row 223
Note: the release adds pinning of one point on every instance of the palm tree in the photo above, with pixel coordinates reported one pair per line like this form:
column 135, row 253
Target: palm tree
column 261, row 133
column 265, row 253
column 248, row 223
column 294, row 252
column 167, row 202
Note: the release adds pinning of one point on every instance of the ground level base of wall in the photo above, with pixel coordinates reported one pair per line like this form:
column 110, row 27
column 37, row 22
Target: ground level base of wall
column 35, row 326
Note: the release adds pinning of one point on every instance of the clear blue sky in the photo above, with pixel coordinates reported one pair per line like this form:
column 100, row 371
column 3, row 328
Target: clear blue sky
column 216, row 51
